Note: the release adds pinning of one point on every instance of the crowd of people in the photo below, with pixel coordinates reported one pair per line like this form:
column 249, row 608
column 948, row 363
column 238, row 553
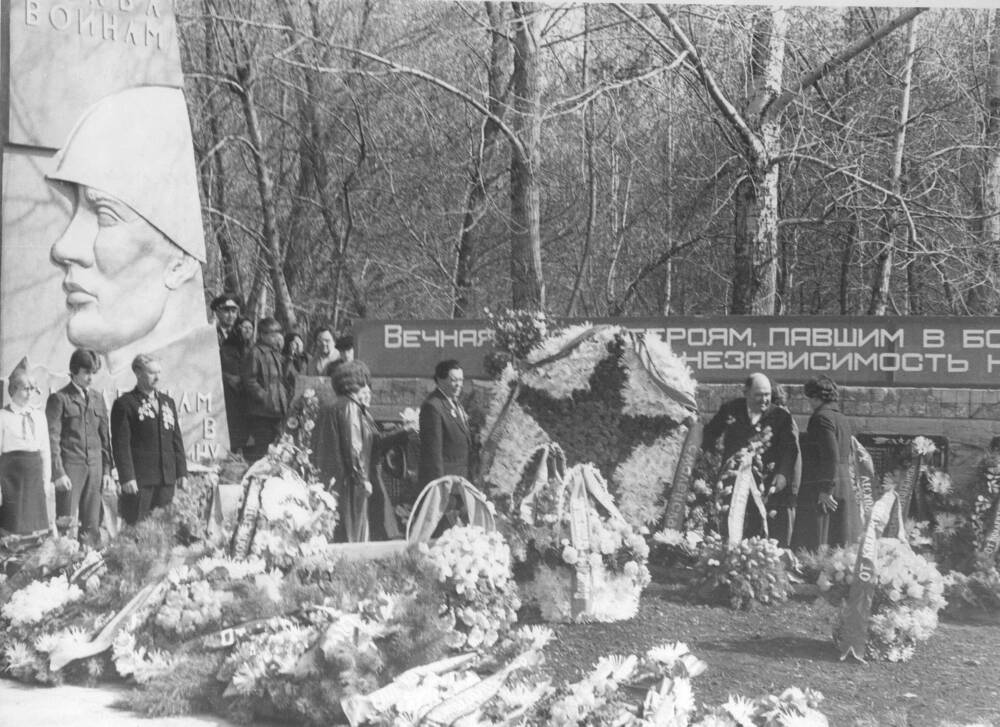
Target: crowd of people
column 60, row 463
column 259, row 381
column 259, row 371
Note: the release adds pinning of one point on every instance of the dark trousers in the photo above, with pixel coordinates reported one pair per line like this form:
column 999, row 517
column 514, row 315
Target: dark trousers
column 815, row 526
column 264, row 431
column 136, row 508
column 83, row 503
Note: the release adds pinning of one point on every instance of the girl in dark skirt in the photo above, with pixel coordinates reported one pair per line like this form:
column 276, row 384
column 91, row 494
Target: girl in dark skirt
column 25, row 460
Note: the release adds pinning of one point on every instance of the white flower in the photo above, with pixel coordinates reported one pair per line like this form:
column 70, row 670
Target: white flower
column 740, row 709
column 923, row 446
column 939, row 482
column 18, row 655
column 570, row 555
column 668, row 654
column 31, row 604
column 536, row 637
column 669, row 536
column 617, row 668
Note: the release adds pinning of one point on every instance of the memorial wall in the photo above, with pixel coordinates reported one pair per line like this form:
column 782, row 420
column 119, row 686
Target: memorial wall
column 900, row 377
column 101, row 242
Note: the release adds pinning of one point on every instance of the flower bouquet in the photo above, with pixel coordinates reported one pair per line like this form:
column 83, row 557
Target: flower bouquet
column 655, row 689
column 282, row 517
column 752, row 570
column 979, row 589
column 473, row 566
column 578, row 559
column 909, row 592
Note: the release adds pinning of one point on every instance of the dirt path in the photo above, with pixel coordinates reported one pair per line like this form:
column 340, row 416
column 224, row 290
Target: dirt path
column 66, row 706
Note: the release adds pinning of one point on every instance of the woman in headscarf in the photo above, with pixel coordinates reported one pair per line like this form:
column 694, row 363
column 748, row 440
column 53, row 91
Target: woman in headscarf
column 826, row 498
column 347, row 445
column 25, row 460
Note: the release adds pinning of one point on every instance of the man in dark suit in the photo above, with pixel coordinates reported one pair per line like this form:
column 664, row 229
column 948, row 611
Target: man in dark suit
column 264, row 385
column 147, row 444
column 226, row 308
column 81, row 446
column 445, row 440
column 755, row 415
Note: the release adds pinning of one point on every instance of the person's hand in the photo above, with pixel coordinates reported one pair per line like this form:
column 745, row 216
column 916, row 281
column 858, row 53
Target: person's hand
column 63, row 484
column 368, row 487
column 828, row 502
column 107, row 483
column 779, row 483
column 130, row 488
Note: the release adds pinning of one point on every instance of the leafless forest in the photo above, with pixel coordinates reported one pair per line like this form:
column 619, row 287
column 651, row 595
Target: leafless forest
column 391, row 158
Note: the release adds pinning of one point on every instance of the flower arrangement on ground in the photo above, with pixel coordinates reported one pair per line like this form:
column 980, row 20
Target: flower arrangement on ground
column 609, row 396
column 576, row 556
column 655, row 689
column 979, row 589
column 282, row 515
column 474, row 566
column 909, row 592
column 742, row 573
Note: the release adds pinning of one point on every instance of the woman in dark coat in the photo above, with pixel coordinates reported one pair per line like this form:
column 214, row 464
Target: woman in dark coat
column 237, row 344
column 826, row 493
column 347, row 444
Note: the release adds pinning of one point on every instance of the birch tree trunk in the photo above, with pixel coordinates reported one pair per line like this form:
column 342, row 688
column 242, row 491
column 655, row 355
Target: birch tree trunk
column 991, row 177
column 588, row 171
column 894, row 228
column 755, row 278
column 527, row 283
column 476, row 190
column 283, row 308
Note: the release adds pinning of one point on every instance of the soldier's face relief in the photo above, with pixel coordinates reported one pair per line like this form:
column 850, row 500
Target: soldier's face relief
column 115, row 267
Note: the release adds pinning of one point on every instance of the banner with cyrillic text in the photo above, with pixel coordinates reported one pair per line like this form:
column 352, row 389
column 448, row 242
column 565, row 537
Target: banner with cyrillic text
column 935, row 351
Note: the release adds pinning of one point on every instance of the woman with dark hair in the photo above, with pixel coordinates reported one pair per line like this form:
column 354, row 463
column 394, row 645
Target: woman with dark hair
column 237, row 345
column 347, row 444
column 296, row 359
column 826, row 495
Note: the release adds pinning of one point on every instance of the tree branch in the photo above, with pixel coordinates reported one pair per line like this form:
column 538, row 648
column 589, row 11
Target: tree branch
column 810, row 78
column 725, row 106
column 394, row 67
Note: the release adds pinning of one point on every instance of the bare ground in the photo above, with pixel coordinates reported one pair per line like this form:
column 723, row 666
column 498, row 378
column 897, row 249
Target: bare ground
column 953, row 679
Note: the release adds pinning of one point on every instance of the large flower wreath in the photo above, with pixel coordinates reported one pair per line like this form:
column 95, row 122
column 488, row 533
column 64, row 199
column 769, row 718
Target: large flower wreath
column 576, row 557
column 619, row 399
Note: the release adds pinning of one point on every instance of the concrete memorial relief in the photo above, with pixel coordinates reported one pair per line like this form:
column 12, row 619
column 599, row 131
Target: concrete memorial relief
column 102, row 243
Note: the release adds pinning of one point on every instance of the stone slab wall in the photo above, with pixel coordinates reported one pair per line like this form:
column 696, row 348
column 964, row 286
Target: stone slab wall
column 968, row 418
